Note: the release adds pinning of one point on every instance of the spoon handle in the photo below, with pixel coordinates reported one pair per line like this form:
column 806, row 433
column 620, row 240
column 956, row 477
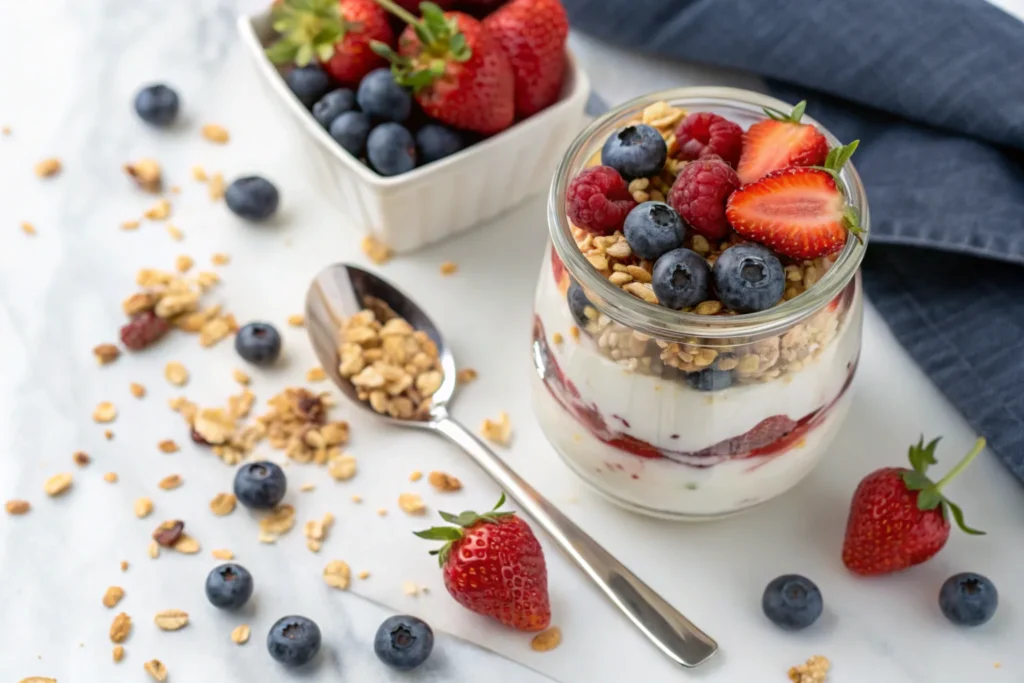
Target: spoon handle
column 670, row 631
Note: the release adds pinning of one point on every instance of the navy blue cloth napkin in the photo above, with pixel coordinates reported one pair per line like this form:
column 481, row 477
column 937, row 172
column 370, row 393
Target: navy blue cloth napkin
column 934, row 90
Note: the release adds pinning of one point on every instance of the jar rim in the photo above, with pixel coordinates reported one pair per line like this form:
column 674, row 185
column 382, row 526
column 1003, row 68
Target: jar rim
column 665, row 323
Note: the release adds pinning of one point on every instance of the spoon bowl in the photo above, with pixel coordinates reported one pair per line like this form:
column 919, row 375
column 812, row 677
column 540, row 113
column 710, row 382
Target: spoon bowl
column 342, row 290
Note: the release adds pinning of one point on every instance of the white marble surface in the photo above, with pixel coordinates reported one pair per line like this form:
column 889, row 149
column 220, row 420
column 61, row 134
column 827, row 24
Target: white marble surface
column 69, row 69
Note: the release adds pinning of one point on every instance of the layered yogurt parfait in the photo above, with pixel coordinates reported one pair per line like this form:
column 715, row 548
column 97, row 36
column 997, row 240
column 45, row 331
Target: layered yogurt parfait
column 698, row 316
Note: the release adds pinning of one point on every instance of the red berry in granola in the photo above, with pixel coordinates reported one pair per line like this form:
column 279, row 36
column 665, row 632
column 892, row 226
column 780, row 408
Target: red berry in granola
column 598, row 200
column 704, row 134
column 144, row 329
column 699, row 194
column 779, row 142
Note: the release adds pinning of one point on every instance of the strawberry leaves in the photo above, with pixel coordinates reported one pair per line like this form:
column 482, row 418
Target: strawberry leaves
column 930, row 495
column 309, row 30
column 462, row 521
column 441, row 42
column 792, row 117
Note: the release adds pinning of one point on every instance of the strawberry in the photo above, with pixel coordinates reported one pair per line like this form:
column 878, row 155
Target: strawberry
column 798, row 212
column 533, row 35
column 459, row 73
column 898, row 516
column 780, row 142
column 493, row 565
column 338, row 34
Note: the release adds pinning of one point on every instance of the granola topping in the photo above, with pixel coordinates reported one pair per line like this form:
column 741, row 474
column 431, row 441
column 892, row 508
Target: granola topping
column 106, row 353
column 444, row 482
column 497, row 431
column 120, row 628
column 17, row 507
column 169, row 532
column 223, row 504
column 156, row 670
column 547, row 639
column 113, row 596
column 240, row 634
column 337, row 575
column 146, row 173
column 814, row 670
column 57, row 484
column 171, row 619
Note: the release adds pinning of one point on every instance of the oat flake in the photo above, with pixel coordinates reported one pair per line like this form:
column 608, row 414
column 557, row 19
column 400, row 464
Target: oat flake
column 168, row 446
column 28, row 228
column 240, row 635
column 118, row 653
column 48, row 167
column 222, row 554
column 215, row 188
column 337, row 575
column 465, row 376
column 156, row 669
column 171, row 619
column 143, row 507
column 120, row 628
column 499, row 432
column 223, row 504
column 113, row 596
column 176, row 374
column 170, row 482
column 187, row 545
column 411, row 504
column 104, row 412
column 17, row 507
column 444, row 482
column 110, row 477
column 547, row 639
column 81, row 458
column 240, row 377
column 154, row 549
column 342, row 468
column 57, row 484
column 297, row 320
column 106, row 353
column 216, row 134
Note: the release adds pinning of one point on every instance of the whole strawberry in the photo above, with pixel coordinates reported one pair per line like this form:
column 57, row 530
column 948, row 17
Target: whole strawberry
column 898, row 516
column 493, row 565
column 459, row 73
column 338, row 34
column 533, row 35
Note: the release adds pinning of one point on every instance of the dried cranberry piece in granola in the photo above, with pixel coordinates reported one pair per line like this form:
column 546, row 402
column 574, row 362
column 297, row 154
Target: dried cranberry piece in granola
column 144, row 329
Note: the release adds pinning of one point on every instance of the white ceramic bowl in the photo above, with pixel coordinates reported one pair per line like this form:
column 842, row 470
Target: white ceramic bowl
column 448, row 196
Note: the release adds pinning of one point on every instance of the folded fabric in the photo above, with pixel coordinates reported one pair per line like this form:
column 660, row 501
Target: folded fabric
column 934, row 89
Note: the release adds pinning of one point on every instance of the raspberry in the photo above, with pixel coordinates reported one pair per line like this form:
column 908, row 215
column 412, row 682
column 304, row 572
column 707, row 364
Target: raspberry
column 702, row 134
column 598, row 200
column 700, row 192
column 143, row 330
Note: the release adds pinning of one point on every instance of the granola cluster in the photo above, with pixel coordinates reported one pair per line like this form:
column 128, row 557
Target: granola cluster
column 176, row 299
column 393, row 366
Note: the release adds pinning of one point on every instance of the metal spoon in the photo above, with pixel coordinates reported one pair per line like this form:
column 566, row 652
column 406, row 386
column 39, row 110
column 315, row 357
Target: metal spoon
column 341, row 290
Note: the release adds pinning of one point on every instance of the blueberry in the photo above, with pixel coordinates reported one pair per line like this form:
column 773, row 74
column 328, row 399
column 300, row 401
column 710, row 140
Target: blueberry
column 308, row 83
column 228, row 586
column 403, row 642
column 709, row 379
column 652, row 229
column 258, row 343
column 252, row 198
column 748, row 278
column 578, row 303
column 391, row 149
column 434, row 141
column 157, row 104
column 792, row 602
column 333, row 104
column 968, row 599
column 260, row 485
column 380, row 97
column 635, row 151
column 293, row 641
column 350, row 131
column 681, row 279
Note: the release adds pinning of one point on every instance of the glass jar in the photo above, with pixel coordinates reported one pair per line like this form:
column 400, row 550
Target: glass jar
column 690, row 414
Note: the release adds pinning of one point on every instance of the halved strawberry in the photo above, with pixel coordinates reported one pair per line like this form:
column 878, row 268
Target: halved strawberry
column 780, row 142
column 798, row 212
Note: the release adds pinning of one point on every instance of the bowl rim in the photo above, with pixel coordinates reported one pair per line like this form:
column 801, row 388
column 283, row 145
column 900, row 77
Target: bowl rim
column 576, row 91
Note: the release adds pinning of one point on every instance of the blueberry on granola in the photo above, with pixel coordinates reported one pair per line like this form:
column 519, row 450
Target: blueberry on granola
column 333, row 104
column 308, row 83
column 792, row 602
column 259, row 343
column 652, row 229
column 968, row 599
column 749, row 278
column 260, row 485
column 350, row 130
column 252, row 198
column 635, row 151
column 229, row 586
column 157, row 104
column 578, row 304
column 681, row 279
column 293, row 641
column 403, row 642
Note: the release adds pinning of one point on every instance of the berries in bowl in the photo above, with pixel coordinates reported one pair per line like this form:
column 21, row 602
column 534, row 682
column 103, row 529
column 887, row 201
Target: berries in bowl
column 408, row 111
column 697, row 324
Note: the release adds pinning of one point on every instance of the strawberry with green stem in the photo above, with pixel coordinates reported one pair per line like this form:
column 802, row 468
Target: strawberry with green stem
column 898, row 516
column 493, row 565
column 780, row 141
column 335, row 33
column 459, row 73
